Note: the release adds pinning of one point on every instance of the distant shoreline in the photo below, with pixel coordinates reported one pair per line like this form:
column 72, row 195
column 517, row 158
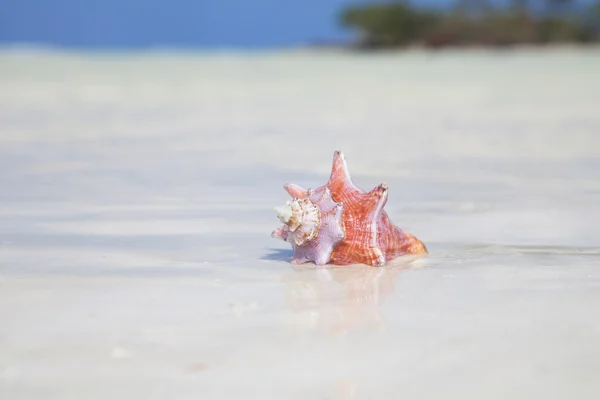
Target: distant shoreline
column 342, row 48
column 354, row 47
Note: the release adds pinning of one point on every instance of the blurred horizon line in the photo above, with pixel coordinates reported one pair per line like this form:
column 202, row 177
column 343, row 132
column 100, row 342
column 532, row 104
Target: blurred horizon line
column 345, row 47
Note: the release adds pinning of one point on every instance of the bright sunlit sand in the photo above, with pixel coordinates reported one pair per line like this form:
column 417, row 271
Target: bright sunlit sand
column 136, row 208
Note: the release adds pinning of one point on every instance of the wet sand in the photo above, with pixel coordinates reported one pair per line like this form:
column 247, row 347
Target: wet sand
column 136, row 209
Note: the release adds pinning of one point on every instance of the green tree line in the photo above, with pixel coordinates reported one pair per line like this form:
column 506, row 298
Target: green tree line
column 472, row 22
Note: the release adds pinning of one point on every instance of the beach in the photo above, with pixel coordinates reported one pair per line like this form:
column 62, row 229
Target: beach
column 137, row 205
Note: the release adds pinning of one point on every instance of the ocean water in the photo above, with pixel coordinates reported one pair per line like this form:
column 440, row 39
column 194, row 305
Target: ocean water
column 136, row 209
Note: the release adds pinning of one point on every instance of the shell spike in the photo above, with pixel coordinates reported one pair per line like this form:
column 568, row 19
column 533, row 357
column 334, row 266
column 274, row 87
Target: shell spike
column 279, row 233
column 284, row 213
column 295, row 191
column 380, row 195
column 340, row 176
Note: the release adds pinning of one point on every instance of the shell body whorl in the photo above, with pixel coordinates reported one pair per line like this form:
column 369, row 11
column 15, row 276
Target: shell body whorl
column 341, row 224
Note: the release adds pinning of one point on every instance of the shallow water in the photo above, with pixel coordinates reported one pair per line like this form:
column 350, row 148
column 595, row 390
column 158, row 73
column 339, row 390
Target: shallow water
column 135, row 217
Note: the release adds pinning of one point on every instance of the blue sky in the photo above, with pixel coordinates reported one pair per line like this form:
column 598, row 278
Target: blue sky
column 169, row 23
column 176, row 23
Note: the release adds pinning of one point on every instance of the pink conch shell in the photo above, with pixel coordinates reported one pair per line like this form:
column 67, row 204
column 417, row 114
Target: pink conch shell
column 339, row 223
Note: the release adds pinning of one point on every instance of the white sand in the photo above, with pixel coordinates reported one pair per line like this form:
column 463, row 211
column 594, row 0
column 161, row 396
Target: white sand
column 136, row 208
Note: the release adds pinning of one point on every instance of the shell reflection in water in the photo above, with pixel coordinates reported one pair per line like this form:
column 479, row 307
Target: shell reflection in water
column 340, row 299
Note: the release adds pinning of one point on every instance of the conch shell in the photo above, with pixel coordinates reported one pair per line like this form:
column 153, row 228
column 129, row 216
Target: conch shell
column 339, row 223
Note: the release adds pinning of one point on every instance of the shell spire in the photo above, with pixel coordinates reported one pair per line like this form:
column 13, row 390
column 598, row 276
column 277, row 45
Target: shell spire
column 339, row 223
